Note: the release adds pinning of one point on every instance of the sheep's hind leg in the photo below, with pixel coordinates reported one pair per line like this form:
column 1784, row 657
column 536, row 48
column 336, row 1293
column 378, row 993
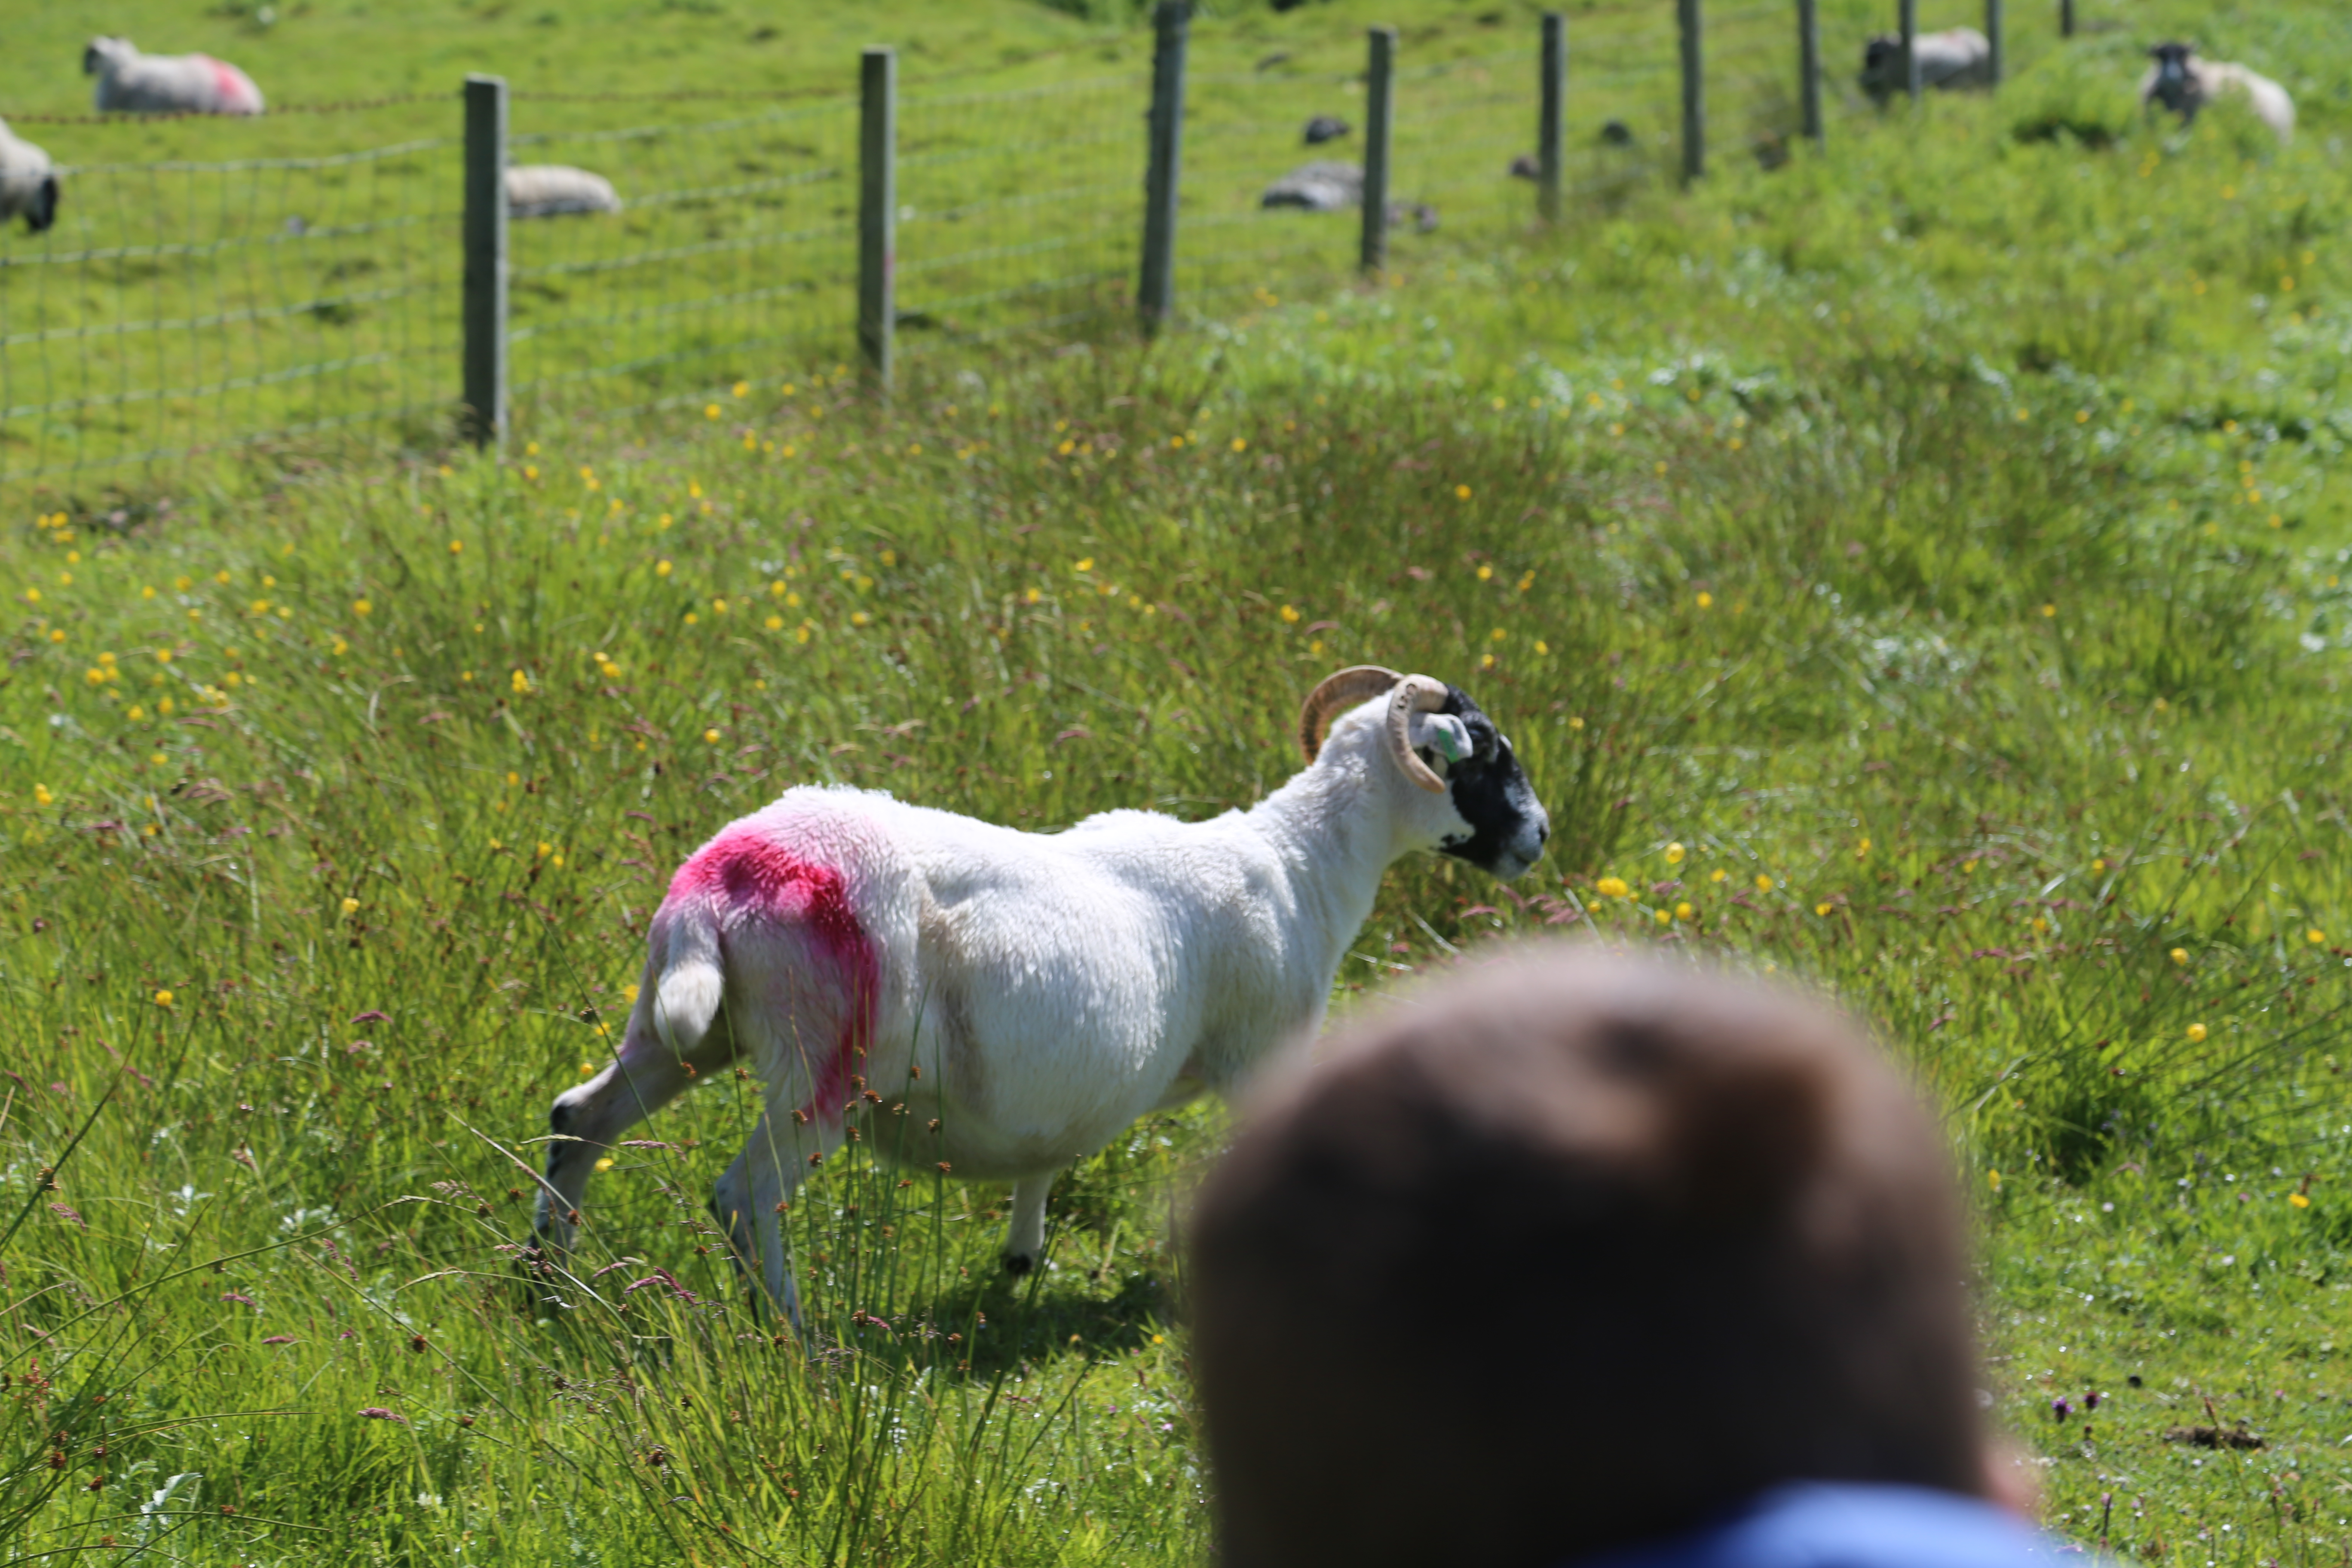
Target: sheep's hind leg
column 1025, row 1239
column 747, row 1201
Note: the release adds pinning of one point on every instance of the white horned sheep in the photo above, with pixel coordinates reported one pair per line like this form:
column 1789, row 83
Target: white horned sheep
column 1956, row 57
column 28, row 184
column 546, row 190
column 167, row 84
column 995, row 1003
column 2184, row 83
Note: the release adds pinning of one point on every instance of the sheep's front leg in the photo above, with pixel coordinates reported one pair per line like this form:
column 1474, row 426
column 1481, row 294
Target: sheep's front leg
column 1025, row 1239
column 748, row 1196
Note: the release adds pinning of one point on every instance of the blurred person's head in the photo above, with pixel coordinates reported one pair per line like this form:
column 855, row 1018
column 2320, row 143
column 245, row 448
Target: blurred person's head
column 1565, row 1253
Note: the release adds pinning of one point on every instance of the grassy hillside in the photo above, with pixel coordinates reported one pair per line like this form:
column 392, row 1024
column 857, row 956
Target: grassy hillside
column 1916, row 572
column 291, row 284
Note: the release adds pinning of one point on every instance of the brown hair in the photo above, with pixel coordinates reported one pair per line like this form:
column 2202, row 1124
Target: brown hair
column 1566, row 1252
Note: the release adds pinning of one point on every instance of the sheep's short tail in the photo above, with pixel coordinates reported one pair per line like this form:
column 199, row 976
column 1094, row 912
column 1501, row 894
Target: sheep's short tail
column 688, row 982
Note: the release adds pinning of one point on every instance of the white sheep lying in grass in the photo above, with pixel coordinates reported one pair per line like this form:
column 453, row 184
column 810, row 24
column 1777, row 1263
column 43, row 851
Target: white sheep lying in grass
column 2183, row 83
column 545, row 190
column 996, row 1003
column 1333, row 186
column 1958, row 57
column 28, row 184
column 167, row 84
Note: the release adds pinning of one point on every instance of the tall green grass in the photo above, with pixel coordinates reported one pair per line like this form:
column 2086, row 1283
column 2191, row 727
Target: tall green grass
column 1873, row 561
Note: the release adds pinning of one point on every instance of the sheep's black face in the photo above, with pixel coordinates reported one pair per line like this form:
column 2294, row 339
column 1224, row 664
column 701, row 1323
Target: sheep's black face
column 2171, row 73
column 1491, row 792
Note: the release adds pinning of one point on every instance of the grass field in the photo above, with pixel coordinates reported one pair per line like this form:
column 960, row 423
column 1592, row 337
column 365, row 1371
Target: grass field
column 1916, row 572
column 293, row 282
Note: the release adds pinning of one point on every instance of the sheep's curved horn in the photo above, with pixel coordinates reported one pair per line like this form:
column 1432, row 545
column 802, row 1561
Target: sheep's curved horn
column 1415, row 694
column 1343, row 689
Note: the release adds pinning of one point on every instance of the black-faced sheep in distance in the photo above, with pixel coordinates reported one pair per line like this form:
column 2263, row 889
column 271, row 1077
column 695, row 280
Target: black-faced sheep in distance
column 165, row 84
column 1958, row 58
column 996, row 1005
column 28, row 184
column 2183, row 83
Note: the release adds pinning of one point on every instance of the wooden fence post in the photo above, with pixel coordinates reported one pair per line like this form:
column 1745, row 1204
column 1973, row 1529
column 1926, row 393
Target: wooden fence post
column 1155, row 293
column 2065, row 18
column 1694, row 91
column 1379, row 110
column 1550, row 115
column 485, row 305
column 1908, row 10
column 1995, row 26
column 1808, row 66
column 877, row 211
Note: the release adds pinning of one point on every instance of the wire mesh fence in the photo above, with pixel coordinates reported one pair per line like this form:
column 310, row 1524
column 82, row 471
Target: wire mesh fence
column 1018, row 211
column 182, row 308
column 734, row 246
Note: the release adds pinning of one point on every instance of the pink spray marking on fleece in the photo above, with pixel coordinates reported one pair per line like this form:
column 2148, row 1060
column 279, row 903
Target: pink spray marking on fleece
column 753, row 874
column 235, row 91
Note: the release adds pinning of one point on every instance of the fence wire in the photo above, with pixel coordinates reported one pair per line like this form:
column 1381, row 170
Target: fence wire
column 734, row 249
column 181, row 307
column 1019, row 212
column 192, row 306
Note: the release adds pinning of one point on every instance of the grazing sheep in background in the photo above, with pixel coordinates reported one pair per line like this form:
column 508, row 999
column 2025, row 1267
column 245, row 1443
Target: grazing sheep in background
column 167, row 84
column 996, row 1003
column 545, row 190
column 2184, row 83
column 1960, row 57
column 1319, row 187
column 28, row 185
column 1324, row 128
column 1330, row 187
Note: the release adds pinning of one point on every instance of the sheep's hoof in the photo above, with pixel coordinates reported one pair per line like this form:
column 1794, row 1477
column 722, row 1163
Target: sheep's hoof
column 1018, row 1263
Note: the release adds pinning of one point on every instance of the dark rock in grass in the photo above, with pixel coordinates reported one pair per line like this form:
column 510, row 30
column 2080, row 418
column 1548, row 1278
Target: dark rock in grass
column 1324, row 128
column 1616, row 133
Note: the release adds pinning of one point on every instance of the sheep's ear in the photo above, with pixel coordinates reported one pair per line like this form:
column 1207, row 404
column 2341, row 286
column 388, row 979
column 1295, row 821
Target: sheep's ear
column 1443, row 733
